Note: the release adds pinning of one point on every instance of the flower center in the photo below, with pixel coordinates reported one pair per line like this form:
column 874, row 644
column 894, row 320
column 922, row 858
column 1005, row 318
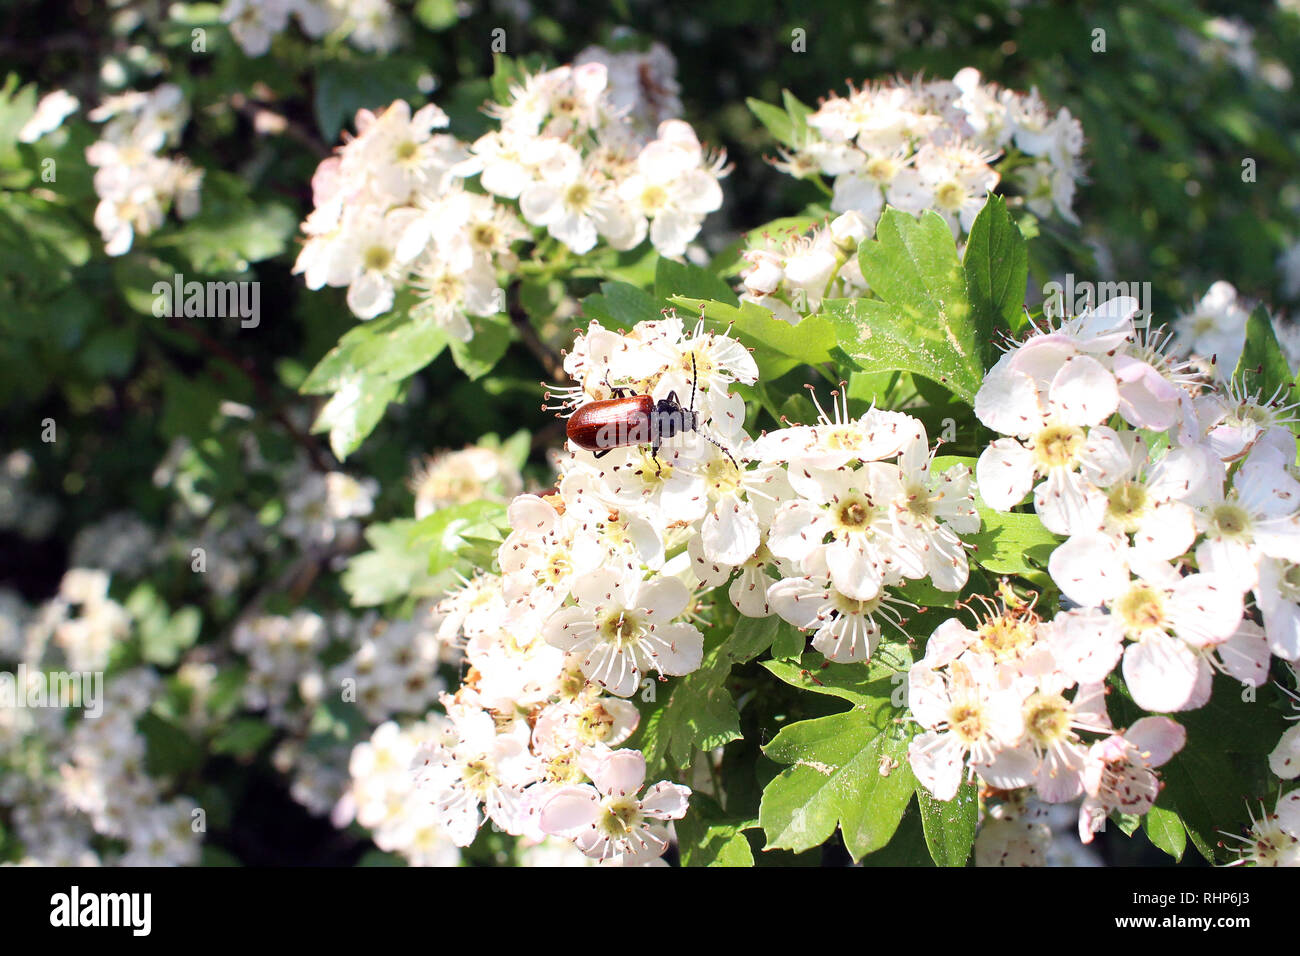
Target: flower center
column 1005, row 637
column 594, row 724
column 1127, row 504
column 654, row 198
column 723, row 476
column 620, row 627
column 558, row 566
column 477, row 776
column 1047, row 718
column 563, row 768
column 855, row 514
column 618, row 816
column 967, row 722
column 1229, row 521
column 1141, row 609
column 407, row 149
column 577, row 196
column 882, row 169
column 950, row 195
column 1058, row 446
column 377, row 258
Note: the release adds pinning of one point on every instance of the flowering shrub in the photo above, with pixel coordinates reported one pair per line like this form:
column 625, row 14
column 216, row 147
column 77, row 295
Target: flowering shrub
column 650, row 523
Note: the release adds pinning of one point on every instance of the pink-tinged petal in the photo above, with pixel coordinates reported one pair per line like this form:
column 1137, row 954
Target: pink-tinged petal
column 1009, row 769
column 1008, row 403
column 1004, row 474
column 938, row 761
column 1069, row 503
column 663, row 598
column 1284, row 761
column 1161, row 673
column 678, row 648
column 1090, row 569
column 666, row 801
column 569, row 809
column 1157, row 738
column 1083, row 392
column 798, row 600
column 1246, row 654
column 1288, row 813
column 1085, row 644
column 617, row 773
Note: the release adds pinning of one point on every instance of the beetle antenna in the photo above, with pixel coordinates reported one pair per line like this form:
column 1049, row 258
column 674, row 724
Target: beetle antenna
column 713, row 441
column 695, row 377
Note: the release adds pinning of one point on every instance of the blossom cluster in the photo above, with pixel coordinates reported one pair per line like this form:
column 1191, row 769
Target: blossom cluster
column 135, row 182
column 395, row 208
column 370, row 25
column 601, row 579
column 934, row 144
column 1178, row 506
column 75, row 785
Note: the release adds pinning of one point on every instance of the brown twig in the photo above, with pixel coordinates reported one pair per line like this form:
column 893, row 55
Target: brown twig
column 265, row 393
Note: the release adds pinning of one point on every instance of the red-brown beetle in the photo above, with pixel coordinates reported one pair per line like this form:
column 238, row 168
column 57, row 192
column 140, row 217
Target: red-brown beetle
column 624, row 420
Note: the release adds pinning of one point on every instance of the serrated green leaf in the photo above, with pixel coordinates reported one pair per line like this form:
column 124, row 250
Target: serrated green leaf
column 390, row 348
column 707, row 837
column 684, row 279
column 996, row 265
column 621, row 305
column 1011, row 543
column 1165, row 830
column 1263, row 368
column 848, row 770
column 778, row 346
column 699, row 712
column 478, row 356
column 859, row 684
column 354, row 411
column 776, row 120
column 949, row 825
column 922, row 322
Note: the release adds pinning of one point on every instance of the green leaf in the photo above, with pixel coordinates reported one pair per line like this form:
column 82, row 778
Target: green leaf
column 778, row 346
column 1165, row 830
column 345, row 86
column 1263, row 367
column 243, row 737
column 444, row 535
column 996, row 265
column 354, row 411
column 923, row 321
column 395, row 567
column 622, row 305
column 169, row 750
column 859, row 684
column 949, row 825
column 437, row 15
column 478, row 356
column 699, row 712
column 1011, row 543
column 391, row 348
column 683, row 278
column 848, row 770
column 777, row 121
column 789, row 643
column 706, row 837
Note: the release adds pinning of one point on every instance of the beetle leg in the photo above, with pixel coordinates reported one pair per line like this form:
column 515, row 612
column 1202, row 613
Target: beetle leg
column 601, row 454
column 654, row 454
